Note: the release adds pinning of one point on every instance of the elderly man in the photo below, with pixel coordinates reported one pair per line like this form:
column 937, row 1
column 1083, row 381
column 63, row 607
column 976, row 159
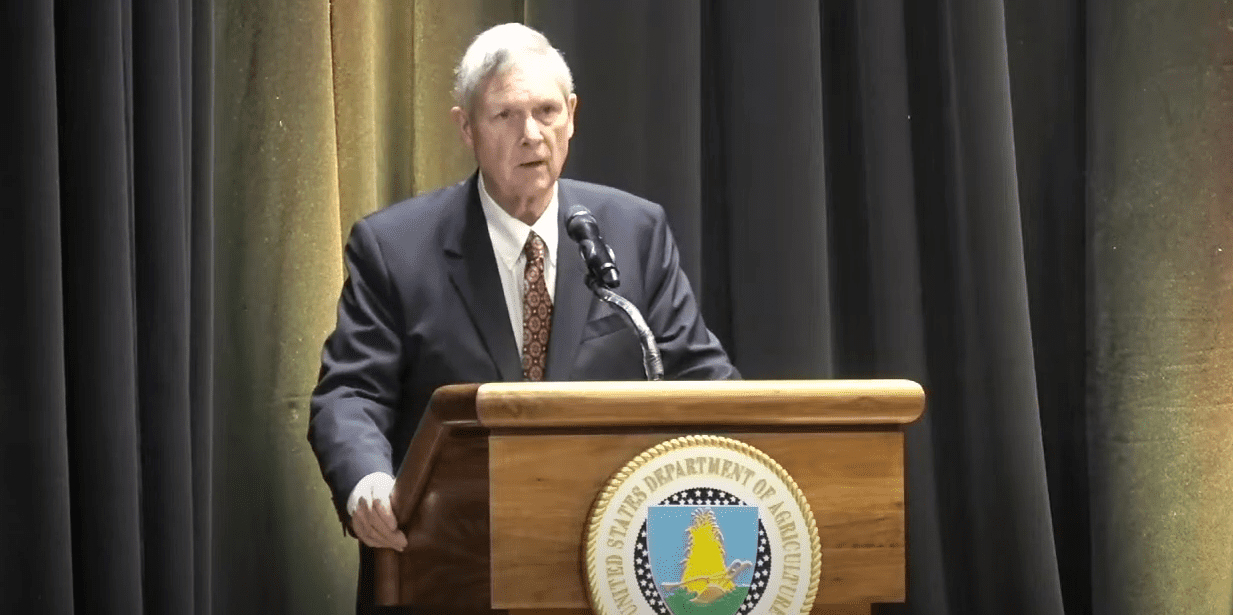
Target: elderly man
column 478, row 282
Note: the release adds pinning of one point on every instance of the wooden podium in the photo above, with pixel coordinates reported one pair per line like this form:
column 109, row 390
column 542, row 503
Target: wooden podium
column 497, row 485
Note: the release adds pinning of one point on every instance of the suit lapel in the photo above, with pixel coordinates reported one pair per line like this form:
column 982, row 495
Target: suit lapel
column 473, row 272
column 572, row 300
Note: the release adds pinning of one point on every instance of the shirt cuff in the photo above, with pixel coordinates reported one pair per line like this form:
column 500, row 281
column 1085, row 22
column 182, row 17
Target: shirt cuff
column 377, row 485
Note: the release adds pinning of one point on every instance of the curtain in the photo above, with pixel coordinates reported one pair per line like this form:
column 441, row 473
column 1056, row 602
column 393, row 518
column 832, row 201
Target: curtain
column 107, row 335
column 1047, row 82
column 1160, row 291
column 1023, row 205
column 326, row 111
column 860, row 165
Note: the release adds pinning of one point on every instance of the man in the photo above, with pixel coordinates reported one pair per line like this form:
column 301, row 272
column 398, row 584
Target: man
column 478, row 282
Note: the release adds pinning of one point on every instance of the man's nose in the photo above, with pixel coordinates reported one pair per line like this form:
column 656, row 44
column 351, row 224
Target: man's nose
column 530, row 130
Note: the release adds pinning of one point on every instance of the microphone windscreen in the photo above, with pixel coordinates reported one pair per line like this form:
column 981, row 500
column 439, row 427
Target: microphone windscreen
column 577, row 219
column 576, row 210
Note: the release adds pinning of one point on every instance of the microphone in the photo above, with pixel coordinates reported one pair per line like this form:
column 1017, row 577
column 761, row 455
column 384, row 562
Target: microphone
column 580, row 225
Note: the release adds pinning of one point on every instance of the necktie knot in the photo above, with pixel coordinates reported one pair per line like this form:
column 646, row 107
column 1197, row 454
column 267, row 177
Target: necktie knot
column 534, row 248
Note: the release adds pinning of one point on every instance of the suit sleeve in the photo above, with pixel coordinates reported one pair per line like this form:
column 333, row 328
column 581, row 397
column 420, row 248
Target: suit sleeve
column 355, row 401
column 689, row 350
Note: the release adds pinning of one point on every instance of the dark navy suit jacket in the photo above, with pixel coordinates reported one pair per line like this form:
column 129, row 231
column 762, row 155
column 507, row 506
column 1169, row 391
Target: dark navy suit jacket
column 423, row 307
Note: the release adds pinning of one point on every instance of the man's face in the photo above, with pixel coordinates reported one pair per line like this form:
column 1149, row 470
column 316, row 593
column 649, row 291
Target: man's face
column 520, row 129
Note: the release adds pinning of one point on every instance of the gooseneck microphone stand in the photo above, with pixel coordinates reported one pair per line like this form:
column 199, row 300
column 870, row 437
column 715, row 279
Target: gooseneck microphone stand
column 651, row 361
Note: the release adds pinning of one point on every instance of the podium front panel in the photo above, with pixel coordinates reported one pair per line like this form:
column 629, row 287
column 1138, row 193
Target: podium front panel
column 542, row 488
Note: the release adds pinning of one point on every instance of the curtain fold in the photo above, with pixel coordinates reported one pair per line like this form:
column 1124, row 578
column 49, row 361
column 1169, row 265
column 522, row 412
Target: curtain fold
column 877, row 282
column 202, row 297
column 1046, row 53
column 997, row 541
column 37, row 523
column 161, row 209
column 100, row 319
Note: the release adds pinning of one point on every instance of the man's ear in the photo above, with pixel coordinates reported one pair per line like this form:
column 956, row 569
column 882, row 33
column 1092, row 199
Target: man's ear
column 573, row 107
column 463, row 121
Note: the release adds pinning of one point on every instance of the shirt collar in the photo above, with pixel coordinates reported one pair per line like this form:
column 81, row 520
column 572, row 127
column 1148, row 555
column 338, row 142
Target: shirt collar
column 509, row 234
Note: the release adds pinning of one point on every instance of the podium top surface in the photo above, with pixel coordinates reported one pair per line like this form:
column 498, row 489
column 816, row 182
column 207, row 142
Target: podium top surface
column 733, row 403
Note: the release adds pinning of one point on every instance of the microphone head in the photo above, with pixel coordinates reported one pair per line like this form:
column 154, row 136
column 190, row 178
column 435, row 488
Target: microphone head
column 576, row 210
column 577, row 221
column 581, row 226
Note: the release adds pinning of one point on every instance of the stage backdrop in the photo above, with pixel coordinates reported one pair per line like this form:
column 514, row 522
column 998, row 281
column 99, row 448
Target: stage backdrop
column 1026, row 205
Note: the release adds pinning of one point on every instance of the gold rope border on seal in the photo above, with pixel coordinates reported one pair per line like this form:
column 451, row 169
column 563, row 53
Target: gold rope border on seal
column 600, row 507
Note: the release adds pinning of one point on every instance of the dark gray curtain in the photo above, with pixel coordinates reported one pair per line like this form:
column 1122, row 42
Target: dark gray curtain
column 1047, row 50
column 107, row 233
column 860, row 216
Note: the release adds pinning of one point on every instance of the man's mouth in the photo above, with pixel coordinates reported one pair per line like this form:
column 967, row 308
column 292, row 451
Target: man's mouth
column 533, row 163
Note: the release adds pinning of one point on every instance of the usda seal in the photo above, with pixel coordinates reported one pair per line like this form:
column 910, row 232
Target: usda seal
column 702, row 525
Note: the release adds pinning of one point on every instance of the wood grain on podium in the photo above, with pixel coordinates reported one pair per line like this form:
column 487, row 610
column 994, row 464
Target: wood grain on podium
column 543, row 487
column 439, row 501
column 725, row 403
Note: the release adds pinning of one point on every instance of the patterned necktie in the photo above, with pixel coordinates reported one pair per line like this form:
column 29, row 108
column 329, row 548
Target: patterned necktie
column 536, row 311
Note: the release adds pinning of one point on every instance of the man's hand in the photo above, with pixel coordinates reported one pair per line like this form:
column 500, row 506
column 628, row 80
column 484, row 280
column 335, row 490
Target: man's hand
column 373, row 521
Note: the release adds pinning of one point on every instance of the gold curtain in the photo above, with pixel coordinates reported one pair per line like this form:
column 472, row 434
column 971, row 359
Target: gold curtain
column 324, row 113
column 1160, row 216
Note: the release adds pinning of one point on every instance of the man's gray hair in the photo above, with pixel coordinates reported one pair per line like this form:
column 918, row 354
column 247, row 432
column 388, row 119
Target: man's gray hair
column 499, row 49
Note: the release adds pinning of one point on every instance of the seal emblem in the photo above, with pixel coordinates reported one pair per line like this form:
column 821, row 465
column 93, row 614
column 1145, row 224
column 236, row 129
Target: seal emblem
column 702, row 525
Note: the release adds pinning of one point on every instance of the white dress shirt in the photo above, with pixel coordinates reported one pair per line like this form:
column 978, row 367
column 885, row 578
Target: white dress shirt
column 508, row 235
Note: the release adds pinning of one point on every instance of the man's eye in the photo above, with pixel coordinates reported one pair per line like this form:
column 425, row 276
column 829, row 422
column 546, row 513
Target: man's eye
column 504, row 115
